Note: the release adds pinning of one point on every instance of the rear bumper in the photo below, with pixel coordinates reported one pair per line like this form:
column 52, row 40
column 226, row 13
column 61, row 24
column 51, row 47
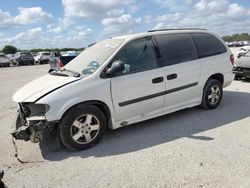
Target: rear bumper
column 25, row 61
column 228, row 78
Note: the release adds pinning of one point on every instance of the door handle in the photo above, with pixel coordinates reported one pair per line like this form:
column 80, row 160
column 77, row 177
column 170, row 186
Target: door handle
column 157, row 80
column 171, row 76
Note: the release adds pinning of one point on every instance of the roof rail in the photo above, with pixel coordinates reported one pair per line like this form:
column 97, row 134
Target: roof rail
column 175, row 29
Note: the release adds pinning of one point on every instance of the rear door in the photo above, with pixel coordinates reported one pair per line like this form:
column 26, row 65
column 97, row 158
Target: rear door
column 181, row 69
column 139, row 89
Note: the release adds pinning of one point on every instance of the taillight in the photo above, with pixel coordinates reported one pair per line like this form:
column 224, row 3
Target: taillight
column 59, row 63
column 232, row 59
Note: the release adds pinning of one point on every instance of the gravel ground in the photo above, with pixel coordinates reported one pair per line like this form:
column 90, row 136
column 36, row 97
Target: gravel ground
column 189, row 148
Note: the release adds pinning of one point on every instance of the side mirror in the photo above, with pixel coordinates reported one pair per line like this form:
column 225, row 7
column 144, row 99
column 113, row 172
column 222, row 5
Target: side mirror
column 116, row 67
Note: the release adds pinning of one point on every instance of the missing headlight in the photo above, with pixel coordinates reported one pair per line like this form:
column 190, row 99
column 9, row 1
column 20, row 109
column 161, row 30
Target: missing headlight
column 33, row 109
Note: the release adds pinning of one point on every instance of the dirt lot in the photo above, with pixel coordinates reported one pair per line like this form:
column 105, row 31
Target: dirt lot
column 190, row 148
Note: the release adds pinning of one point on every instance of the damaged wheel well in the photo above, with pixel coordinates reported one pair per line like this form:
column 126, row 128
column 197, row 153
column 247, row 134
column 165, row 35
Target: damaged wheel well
column 101, row 105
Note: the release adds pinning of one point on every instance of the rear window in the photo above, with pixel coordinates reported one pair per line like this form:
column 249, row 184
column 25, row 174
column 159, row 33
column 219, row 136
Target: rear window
column 176, row 48
column 26, row 54
column 208, row 45
column 45, row 53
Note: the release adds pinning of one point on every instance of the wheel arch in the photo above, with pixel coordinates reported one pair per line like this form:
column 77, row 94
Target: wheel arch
column 99, row 104
column 217, row 76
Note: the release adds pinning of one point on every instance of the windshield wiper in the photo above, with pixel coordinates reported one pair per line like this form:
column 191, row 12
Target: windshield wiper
column 75, row 73
column 56, row 73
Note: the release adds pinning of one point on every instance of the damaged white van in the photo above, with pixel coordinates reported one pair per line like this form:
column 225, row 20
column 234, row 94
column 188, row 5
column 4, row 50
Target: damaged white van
column 124, row 80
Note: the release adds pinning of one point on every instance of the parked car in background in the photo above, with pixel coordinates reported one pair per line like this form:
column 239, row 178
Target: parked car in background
column 122, row 81
column 42, row 57
column 243, row 50
column 11, row 57
column 4, row 60
column 241, row 67
column 57, row 60
column 23, row 58
column 70, row 53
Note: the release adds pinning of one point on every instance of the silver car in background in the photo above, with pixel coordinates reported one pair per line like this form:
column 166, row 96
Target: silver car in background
column 4, row 60
column 241, row 67
column 42, row 57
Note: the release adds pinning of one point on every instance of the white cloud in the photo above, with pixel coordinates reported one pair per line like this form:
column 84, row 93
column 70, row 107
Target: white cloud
column 211, row 6
column 120, row 25
column 219, row 16
column 32, row 15
column 175, row 5
column 63, row 24
column 25, row 16
column 6, row 20
column 94, row 8
column 28, row 38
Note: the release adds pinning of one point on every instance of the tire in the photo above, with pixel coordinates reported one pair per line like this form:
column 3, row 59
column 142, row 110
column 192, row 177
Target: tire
column 212, row 94
column 82, row 127
column 237, row 77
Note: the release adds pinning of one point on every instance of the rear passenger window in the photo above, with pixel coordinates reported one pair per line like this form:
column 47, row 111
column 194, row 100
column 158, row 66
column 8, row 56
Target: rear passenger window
column 176, row 48
column 208, row 45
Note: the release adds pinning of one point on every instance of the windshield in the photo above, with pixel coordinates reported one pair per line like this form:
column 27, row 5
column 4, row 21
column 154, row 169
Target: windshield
column 94, row 56
column 26, row 54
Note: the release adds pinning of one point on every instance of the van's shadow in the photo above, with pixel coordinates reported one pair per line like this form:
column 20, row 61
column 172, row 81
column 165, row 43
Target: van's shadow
column 186, row 123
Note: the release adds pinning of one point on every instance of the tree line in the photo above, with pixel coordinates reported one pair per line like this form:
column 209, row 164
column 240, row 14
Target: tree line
column 237, row 37
column 9, row 49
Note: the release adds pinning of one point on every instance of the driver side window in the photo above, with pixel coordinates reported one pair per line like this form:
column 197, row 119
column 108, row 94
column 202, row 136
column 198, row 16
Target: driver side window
column 137, row 56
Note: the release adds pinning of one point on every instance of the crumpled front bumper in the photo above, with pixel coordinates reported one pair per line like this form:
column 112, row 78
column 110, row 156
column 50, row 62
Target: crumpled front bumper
column 30, row 126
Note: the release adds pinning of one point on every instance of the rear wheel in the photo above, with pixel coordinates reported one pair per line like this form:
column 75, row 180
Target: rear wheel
column 82, row 127
column 212, row 94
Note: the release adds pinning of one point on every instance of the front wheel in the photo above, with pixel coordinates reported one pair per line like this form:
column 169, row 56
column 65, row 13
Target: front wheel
column 82, row 127
column 212, row 94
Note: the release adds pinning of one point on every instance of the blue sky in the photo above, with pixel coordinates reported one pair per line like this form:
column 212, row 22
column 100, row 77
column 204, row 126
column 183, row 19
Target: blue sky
column 30, row 24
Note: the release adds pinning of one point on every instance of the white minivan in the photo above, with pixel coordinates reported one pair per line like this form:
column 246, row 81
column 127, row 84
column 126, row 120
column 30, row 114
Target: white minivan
column 122, row 81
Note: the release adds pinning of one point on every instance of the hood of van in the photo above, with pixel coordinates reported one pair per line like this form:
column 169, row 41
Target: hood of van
column 40, row 87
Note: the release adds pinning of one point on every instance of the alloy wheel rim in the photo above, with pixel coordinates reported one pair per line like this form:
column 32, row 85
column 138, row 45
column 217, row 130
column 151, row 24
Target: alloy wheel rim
column 214, row 95
column 85, row 128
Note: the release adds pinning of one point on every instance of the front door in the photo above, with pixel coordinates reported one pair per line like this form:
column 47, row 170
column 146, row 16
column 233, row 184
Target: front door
column 139, row 89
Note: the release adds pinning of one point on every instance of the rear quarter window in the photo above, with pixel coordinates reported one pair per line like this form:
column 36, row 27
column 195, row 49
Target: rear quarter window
column 208, row 45
column 176, row 48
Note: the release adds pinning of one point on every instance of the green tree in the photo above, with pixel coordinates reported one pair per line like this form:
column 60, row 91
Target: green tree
column 8, row 49
column 237, row 37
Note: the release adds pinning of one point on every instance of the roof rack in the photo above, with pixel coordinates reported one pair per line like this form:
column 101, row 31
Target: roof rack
column 175, row 29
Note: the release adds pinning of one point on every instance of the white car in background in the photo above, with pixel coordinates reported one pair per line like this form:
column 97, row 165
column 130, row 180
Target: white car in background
column 122, row 81
column 4, row 60
column 241, row 67
column 70, row 53
column 42, row 57
column 243, row 50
